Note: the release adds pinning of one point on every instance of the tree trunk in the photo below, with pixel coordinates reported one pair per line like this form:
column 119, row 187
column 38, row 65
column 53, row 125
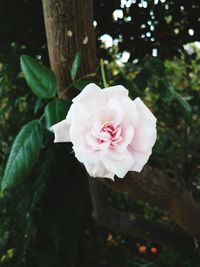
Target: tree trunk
column 69, row 29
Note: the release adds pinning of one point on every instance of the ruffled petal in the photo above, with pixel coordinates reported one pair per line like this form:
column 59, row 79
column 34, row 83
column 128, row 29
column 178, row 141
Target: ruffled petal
column 94, row 144
column 83, row 151
column 112, row 113
column 127, row 137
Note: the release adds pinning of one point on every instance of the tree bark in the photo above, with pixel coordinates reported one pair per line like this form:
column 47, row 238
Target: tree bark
column 69, row 29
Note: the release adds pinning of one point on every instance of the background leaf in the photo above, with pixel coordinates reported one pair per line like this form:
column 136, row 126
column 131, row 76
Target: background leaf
column 23, row 154
column 56, row 111
column 141, row 79
column 75, row 65
column 185, row 106
column 166, row 90
column 40, row 79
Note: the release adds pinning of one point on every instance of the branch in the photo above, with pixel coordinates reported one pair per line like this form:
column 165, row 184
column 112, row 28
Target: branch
column 128, row 223
column 158, row 189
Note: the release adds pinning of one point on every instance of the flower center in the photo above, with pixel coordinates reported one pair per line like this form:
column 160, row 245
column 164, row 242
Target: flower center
column 110, row 133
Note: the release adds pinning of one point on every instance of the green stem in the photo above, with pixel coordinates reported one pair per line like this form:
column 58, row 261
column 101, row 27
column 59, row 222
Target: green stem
column 105, row 84
column 41, row 118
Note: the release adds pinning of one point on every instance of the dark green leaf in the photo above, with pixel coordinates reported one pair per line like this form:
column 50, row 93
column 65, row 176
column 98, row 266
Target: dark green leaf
column 80, row 85
column 56, row 111
column 155, row 66
column 23, row 154
column 166, row 90
column 75, row 65
column 38, row 105
column 40, row 79
column 141, row 80
column 185, row 106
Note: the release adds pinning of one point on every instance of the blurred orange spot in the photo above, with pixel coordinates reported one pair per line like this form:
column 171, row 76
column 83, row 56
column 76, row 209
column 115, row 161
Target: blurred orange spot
column 154, row 250
column 142, row 249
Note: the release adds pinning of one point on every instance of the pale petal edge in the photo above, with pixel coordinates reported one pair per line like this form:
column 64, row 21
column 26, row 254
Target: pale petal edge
column 98, row 171
column 140, row 160
column 61, row 132
column 145, row 110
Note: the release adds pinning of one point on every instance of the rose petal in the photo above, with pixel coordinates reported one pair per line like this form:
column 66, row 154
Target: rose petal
column 94, row 144
column 90, row 99
column 144, row 111
column 127, row 137
column 131, row 115
column 80, row 116
column 144, row 138
column 86, row 155
column 98, row 170
column 117, row 90
column 111, row 113
column 118, row 166
column 69, row 116
column 90, row 91
column 140, row 160
column 83, row 151
column 61, row 131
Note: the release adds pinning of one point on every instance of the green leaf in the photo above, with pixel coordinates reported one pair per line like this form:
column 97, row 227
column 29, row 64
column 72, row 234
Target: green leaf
column 75, row 65
column 80, row 85
column 40, row 79
column 24, row 152
column 56, row 111
column 38, row 105
column 185, row 106
column 154, row 66
column 166, row 90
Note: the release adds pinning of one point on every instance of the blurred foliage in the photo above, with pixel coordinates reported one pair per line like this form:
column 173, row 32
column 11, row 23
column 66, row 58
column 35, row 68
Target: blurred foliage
column 153, row 24
column 139, row 26
column 43, row 218
column 171, row 89
column 22, row 28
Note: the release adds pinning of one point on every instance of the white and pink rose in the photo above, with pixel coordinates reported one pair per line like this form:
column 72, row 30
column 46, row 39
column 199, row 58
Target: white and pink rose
column 110, row 133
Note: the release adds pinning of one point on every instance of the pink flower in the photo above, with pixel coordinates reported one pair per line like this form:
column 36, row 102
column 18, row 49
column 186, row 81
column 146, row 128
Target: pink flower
column 111, row 134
